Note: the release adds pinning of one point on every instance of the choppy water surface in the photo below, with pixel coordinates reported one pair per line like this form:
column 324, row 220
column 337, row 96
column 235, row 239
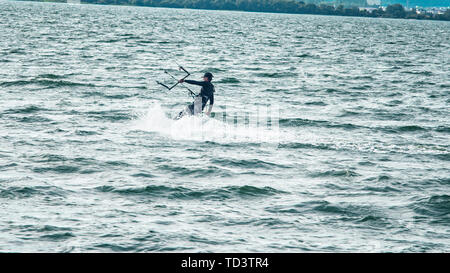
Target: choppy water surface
column 90, row 161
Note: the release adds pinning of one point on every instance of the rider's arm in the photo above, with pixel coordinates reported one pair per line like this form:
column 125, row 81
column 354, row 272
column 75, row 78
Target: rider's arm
column 201, row 83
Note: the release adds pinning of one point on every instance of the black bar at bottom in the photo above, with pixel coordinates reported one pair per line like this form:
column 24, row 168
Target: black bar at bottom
column 223, row 262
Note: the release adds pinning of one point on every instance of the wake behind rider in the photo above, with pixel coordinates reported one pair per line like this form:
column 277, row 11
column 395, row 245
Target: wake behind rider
column 206, row 94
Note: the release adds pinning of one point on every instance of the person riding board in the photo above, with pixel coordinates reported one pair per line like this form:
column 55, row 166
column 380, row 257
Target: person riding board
column 206, row 94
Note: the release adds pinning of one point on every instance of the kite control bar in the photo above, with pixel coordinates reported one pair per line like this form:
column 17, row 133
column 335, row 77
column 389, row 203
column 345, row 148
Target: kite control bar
column 173, row 86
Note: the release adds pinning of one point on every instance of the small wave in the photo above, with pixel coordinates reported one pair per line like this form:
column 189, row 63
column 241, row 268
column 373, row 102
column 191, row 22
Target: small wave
column 112, row 115
column 276, row 74
column 420, row 83
column 118, row 248
column 87, row 94
column 347, row 113
column 366, row 163
column 248, row 164
column 25, row 110
column 143, row 174
column 316, row 103
column 48, row 158
column 19, row 51
column 357, row 50
column 195, row 172
column 121, row 55
column 6, row 166
column 333, row 90
column 366, row 77
column 27, row 192
column 410, row 128
column 51, row 76
column 117, row 163
column 443, row 129
column 304, row 55
column 436, row 206
column 85, row 133
column 404, row 129
column 382, row 115
column 54, row 163
column 298, row 145
column 56, row 237
column 110, row 41
column 335, row 173
column 119, row 96
column 380, row 189
column 215, row 69
column 45, row 82
column 272, row 223
column 299, row 122
column 346, row 212
column 254, row 191
column 45, row 228
column 229, row 80
column 63, row 169
column 197, row 239
column 33, row 119
column 424, row 73
column 394, row 103
column 361, row 87
column 159, row 191
column 374, row 221
column 283, row 210
column 144, row 42
column 443, row 156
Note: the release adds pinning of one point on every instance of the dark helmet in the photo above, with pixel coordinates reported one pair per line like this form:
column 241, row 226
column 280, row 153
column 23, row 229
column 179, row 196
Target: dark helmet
column 208, row 75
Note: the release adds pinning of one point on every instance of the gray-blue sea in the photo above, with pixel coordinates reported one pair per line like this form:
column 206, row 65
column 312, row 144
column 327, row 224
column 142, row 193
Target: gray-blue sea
column 92, row 161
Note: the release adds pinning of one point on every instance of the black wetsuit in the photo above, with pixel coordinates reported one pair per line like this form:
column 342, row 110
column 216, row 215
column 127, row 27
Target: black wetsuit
column 207, row 93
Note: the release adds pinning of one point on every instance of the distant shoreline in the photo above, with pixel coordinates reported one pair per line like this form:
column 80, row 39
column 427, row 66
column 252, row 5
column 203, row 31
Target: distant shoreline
column 396, row 11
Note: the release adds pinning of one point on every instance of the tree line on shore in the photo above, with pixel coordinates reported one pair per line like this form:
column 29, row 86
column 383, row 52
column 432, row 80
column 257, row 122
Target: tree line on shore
column 279, row 6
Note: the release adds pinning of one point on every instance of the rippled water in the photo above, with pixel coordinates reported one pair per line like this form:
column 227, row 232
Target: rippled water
column 90, row 161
